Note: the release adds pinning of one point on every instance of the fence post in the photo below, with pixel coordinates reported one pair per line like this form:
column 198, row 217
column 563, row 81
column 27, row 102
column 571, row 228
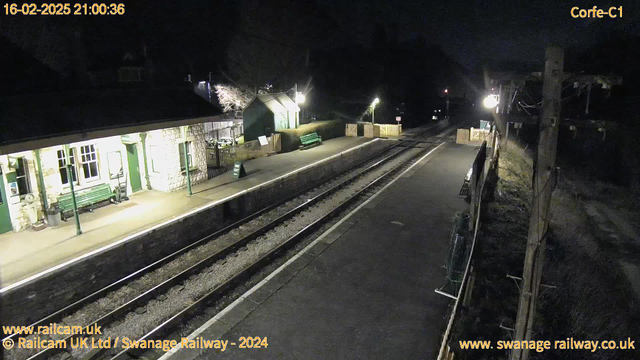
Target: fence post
column 469, row 288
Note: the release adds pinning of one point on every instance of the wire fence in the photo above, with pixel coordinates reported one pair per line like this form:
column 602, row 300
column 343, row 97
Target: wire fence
column 485, row 163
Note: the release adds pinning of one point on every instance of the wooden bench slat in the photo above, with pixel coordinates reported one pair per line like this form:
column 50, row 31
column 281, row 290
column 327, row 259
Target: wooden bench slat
column 310, row 139
column 85, row 197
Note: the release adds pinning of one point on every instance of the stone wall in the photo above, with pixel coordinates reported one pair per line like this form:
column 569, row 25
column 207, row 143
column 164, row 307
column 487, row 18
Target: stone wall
column 104, row 146
column 31, row 301
column 18, row 207
column 177, row 178
column 168, row 176
column 164, row 157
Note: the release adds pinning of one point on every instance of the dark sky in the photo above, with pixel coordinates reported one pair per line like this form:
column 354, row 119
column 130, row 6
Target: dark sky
column 469, row 31
column 473, row 31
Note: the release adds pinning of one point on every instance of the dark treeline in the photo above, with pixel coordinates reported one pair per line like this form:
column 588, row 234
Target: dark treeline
column 270, row 45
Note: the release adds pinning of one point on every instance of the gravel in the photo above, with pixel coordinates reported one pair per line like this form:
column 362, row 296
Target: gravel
column 137, row 324
column 145, row 318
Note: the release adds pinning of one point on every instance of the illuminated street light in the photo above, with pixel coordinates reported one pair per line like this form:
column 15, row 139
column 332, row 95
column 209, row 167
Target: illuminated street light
column 490, row 101
column 446, row 93
column 373, row 110
column 300, row 98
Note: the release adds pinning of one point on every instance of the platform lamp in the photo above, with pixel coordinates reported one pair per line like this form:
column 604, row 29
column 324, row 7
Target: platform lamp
column 373, row 110
column 185, row 130
column 491, row 101
column 73, row 193
column 446, row 94
column 300, row 98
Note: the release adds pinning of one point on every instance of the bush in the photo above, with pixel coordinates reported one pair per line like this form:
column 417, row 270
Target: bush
column 328, row 129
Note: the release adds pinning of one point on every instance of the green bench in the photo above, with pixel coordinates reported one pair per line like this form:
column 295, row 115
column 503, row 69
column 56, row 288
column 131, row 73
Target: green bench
column 85, row 197
column 310, row 140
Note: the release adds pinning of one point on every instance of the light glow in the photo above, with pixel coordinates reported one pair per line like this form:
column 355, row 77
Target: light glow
column 490, row 101
column 375, row 102
column 300, row 98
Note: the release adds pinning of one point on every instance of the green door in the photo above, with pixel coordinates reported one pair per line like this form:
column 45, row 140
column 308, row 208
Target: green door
column 5, row 217
column 134, row 168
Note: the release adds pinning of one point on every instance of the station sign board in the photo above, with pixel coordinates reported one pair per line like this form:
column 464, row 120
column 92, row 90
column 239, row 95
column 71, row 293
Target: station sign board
column 238, row 170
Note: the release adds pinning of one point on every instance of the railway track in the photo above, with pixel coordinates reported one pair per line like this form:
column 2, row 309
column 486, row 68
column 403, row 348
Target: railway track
column 257, row 227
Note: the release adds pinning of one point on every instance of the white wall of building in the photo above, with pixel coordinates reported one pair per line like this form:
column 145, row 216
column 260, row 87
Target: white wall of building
column 163, row 163
column 18, row 207
column 164, row 158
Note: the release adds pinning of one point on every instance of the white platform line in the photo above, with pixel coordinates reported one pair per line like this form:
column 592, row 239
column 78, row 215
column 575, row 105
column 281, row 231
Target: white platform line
column 172, row 220
column 243, row 297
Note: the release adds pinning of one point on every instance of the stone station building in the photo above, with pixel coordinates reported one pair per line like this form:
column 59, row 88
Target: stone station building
column 135, row 137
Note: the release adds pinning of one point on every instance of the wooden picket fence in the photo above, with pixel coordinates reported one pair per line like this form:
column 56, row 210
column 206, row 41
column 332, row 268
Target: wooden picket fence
column 381, row 130
column 371, row 131
column 462, row 136
column 351, row 130
column 390, row 130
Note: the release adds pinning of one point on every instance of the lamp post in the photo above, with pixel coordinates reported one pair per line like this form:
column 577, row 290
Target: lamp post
column 73, row 193
column 300, row 98
column 185, row 130
column 373, row 110
column 446, row 93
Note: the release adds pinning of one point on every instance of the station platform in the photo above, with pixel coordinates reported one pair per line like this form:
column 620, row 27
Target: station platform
column 28, row 253
column 365, row 288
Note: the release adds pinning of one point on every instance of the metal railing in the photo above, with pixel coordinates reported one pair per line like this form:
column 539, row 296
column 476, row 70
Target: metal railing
column 485, row 162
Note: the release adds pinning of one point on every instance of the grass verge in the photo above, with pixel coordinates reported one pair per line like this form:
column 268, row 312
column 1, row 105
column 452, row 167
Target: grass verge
column 499, row 251
column 592, row 299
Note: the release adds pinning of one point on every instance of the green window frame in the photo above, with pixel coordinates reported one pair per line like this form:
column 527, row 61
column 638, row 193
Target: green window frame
column 62, row 166
column 89, row 157
column 22, row 176
column 181, row 148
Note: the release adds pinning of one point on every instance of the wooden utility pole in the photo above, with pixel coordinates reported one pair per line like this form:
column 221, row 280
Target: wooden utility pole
column 543, row 180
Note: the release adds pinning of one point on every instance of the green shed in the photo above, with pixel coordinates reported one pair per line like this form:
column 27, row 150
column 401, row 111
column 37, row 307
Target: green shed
column 269, row 113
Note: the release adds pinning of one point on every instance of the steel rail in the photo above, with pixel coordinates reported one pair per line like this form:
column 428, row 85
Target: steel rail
column 219, row 291
column 76, row 305
column 197, row 267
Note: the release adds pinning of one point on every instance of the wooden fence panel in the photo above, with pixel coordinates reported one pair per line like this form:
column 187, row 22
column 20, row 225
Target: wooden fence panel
column 371, row 131
column 275, row 141
column 479, row 135
column 351, row 130
column 390, row 129
column 462, row 137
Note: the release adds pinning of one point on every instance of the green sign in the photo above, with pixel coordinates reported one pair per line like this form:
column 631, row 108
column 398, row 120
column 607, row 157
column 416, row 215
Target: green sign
column 238, row 170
